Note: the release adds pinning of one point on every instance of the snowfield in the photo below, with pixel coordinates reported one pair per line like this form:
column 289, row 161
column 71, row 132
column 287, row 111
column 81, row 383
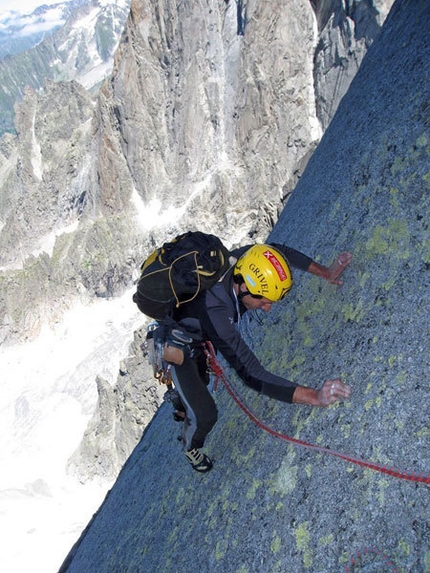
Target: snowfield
column 48, row 395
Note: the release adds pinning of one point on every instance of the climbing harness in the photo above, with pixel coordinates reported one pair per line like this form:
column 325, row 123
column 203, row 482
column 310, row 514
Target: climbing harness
column 397, row 473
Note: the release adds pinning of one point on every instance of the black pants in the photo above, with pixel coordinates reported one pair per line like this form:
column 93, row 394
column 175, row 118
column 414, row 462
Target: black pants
column 191, row 381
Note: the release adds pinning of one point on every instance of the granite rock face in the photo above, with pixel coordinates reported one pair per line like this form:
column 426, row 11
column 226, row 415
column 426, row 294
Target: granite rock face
column 120, row 416
column 269, row 505
column 346, row 31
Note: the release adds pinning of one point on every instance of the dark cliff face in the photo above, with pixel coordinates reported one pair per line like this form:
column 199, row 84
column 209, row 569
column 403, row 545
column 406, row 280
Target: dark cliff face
column 271, row 506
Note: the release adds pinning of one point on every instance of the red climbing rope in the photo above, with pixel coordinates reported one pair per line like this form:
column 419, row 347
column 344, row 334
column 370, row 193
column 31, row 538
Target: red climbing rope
column 400, row 474
column 370, row 555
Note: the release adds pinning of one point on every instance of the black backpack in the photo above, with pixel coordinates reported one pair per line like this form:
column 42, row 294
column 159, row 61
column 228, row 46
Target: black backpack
column 175, row 273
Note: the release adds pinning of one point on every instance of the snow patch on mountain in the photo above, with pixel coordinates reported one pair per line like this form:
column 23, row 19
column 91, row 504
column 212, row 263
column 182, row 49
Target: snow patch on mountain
column 46, row 244
column 50, row 383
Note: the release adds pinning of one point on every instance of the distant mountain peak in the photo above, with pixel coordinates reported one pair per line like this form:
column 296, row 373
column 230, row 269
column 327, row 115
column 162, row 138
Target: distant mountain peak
column 20, row 32
column 57, row 42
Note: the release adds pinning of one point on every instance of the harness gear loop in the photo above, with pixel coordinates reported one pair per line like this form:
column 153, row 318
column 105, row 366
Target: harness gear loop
column 164, row 375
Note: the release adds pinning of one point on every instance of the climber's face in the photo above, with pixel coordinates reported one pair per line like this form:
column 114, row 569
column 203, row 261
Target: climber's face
column 252, row 301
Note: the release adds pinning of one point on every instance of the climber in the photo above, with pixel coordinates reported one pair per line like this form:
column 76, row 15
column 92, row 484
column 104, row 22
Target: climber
column 260, row 277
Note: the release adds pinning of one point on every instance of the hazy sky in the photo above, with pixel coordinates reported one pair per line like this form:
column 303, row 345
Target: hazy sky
column 24, row 6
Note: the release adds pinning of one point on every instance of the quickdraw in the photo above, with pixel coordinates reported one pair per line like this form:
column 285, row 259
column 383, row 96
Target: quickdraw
column 400, row 474
column 154, row 350
column 164, row 376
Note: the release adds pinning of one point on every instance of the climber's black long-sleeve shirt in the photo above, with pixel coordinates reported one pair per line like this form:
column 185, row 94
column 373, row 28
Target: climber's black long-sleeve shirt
column 218, row 312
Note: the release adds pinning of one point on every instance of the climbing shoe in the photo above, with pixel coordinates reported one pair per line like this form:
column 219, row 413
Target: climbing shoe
column 198, row 460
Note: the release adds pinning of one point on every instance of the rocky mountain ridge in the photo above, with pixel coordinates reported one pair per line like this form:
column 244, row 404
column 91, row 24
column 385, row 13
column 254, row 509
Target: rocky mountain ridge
column 90, row 184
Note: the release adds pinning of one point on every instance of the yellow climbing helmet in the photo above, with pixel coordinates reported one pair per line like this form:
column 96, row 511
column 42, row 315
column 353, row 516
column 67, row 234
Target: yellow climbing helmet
column 265, row 272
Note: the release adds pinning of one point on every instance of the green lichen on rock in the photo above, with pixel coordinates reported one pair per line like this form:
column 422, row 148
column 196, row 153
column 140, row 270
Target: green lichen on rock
column 285, row 480
column 275, row 546
column 303, row 541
